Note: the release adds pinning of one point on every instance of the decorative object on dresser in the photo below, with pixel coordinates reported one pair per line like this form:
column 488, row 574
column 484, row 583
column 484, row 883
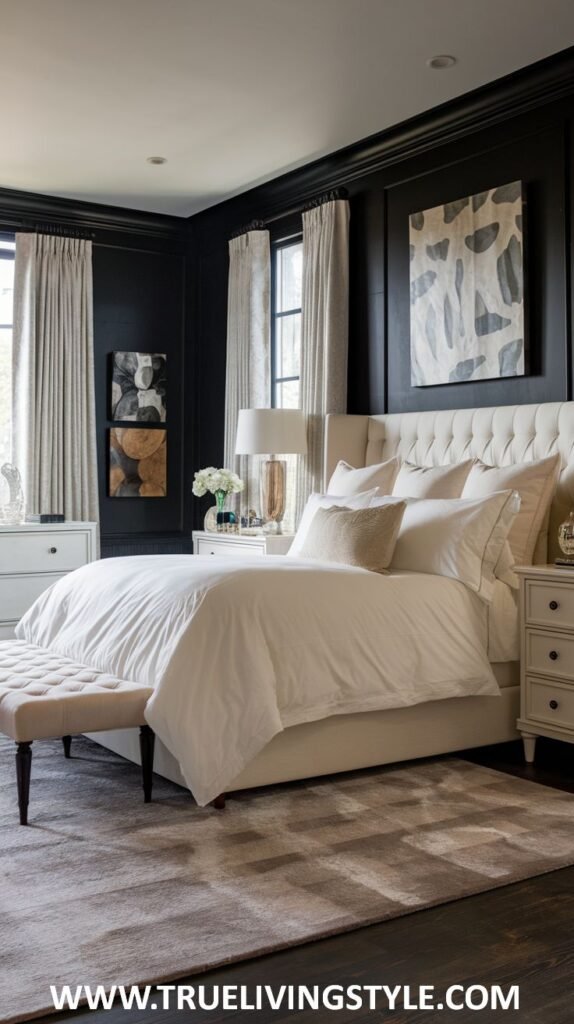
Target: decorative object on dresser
column 13, row 511
column 467, row 289
column 547, row 655
column 32, row 557
column 139, row 387
column 138, row 463
column 220, row 483
column 236, row 545
column 566, row 541
column 267, row 431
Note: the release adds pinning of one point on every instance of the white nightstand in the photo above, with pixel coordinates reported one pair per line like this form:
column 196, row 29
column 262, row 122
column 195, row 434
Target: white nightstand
column 32, row 557
column 546, row 655
column 237, row 545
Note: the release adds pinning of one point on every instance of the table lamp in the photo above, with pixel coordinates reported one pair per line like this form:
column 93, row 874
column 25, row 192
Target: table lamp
column 267, row 431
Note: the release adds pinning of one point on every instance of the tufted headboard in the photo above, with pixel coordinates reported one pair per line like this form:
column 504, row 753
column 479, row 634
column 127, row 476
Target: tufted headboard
column 500, row 436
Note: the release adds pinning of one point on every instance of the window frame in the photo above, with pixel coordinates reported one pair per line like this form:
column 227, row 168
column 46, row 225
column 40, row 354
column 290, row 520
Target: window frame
column 276, row 245
column 6, row 254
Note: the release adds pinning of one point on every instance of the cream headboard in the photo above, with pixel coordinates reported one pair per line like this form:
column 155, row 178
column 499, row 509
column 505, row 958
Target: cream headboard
column 500, row 436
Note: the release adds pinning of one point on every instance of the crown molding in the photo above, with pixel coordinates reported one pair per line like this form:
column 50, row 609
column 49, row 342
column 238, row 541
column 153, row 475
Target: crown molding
column 535, row 86
column 22, row 210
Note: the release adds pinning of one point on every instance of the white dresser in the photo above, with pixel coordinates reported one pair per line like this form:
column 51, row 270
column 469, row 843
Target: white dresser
column 240, row 545
column 32, row 557
column 547, row 654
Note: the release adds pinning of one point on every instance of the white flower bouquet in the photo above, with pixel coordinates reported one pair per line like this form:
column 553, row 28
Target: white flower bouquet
column 219, row 482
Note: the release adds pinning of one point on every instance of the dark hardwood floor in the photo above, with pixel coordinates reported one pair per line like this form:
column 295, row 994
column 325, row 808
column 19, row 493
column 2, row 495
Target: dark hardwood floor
column 519, row 935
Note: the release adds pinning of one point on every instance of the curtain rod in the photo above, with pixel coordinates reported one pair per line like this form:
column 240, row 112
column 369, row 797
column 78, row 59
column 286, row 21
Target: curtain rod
column 57, row 229
column 262, row 225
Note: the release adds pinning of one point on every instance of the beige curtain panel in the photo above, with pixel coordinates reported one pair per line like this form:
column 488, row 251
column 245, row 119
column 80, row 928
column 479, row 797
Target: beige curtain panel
column 247, row 384
column 324, row 333
column 54, row 440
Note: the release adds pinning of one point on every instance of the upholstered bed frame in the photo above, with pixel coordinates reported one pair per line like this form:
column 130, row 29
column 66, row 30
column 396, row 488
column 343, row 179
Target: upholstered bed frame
column 499, row 436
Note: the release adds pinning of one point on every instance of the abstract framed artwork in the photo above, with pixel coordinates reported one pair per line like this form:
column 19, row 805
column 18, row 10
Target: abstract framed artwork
column 467, row 289
column 138, row 463
column 139, row 387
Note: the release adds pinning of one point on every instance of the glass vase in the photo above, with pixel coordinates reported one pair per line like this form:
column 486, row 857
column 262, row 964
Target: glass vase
column 220, row 498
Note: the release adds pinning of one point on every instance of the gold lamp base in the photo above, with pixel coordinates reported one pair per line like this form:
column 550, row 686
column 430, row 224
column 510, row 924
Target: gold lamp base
column 273, row 483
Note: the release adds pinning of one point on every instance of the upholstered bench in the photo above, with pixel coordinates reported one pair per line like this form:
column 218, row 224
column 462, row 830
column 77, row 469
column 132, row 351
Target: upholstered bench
column 45, row 696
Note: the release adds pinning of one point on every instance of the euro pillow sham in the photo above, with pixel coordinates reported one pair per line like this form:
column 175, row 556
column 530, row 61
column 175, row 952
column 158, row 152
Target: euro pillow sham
column 364, row 537
column 431, row 481
column 458, row 538
column 348, row 480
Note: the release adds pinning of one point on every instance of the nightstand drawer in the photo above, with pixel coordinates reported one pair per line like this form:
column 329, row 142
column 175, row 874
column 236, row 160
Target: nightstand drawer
column 56, row 551
column 229, row 548
column 17, row 593
column 549, row 702
column 550, row 604
column 550, row 653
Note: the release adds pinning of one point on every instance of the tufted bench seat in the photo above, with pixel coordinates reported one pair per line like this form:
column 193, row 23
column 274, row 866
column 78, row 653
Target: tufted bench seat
column 44, row 696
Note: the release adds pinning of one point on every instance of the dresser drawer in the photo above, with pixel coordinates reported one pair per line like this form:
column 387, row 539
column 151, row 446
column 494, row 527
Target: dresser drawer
column 550, row 604
column 228, row 548
column 57, row 551
column 552, row 703
column 17, row 593
column 550, row 653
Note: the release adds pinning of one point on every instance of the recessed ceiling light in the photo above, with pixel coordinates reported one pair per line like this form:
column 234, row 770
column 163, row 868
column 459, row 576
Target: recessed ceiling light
column 156, row 159
column 441, row 62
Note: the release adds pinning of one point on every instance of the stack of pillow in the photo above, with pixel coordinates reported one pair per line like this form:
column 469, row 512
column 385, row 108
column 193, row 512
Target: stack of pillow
column 468, row 521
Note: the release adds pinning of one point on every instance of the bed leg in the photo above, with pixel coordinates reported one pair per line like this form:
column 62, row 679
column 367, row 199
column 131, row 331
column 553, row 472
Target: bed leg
column 67, row 741
column 219, row 802
column 147, row 743
column 23, row 772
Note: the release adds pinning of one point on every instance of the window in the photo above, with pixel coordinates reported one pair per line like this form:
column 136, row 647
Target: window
column 6, row 316
column 286, row 281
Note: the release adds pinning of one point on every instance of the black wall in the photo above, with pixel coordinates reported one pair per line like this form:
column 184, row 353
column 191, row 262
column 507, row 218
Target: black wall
column 520, row 127
column 139, row 289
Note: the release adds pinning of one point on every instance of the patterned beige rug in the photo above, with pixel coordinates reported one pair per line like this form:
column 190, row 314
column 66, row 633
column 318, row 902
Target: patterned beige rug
column 104, row 889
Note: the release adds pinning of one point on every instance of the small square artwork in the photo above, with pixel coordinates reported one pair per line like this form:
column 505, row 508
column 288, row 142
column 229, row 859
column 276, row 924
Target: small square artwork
column 138, row 464
column 467, row 289
column 139, row 385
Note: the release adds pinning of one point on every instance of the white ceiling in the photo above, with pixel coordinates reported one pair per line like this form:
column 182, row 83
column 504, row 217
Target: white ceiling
column 233, row 92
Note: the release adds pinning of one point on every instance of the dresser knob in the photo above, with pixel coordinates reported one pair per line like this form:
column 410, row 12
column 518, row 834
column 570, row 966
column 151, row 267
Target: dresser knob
column 553, row 655
column 553, row 704
column 553, row 605
column 53, row 551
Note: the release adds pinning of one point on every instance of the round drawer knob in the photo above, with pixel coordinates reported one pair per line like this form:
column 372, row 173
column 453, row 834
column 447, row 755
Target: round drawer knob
column 553, row 605
column 53, row 551
column 553, row 704
column 553, row 655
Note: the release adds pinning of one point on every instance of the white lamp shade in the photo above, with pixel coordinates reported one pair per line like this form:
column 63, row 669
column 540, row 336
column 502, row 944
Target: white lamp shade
column 271, row 431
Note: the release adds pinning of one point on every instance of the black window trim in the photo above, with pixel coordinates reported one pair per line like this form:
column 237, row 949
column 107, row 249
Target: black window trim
column 281, row 243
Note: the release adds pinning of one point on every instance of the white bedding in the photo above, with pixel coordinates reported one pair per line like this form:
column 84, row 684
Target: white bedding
column 503, row 632
column 238, row 651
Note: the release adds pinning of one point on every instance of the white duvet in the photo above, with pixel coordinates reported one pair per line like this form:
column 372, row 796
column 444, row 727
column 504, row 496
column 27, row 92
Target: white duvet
column 239, row 650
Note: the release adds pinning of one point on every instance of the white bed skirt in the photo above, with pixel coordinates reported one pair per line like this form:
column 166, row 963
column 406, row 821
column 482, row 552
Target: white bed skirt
column 346, row 742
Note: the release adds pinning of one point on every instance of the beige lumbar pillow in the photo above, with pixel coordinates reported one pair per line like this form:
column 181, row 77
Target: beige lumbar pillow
column 431, row 481
column 535, row 483
column 347, row 480
column 363, row 537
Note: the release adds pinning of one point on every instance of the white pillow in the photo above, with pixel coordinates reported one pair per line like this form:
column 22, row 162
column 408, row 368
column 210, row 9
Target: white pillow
column 535, row 483
column 347, row 480
column 461, row 539
column 504, row 568
column 431, row 481
column 316, row 501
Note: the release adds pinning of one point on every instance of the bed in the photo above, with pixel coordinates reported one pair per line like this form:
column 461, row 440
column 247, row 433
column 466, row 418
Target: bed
column 341, row 741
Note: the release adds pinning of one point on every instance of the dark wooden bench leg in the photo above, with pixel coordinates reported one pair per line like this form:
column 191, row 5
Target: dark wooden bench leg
column 23, row 771
column 147, row 743
column 67, row 741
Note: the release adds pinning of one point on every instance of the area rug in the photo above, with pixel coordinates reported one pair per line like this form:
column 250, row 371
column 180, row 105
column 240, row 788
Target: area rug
column 104, row 889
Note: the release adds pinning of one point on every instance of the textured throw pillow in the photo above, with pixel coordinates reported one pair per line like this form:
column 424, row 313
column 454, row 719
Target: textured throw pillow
column 535, row 483
column 365, row 537
column 346, row 480
column 462, row 539
column 316, row 501
column 431, row 481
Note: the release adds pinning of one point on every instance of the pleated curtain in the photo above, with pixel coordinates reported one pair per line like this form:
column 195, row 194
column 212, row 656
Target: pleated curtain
column 324, row 333
column 54, row 438
column 248, row 349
